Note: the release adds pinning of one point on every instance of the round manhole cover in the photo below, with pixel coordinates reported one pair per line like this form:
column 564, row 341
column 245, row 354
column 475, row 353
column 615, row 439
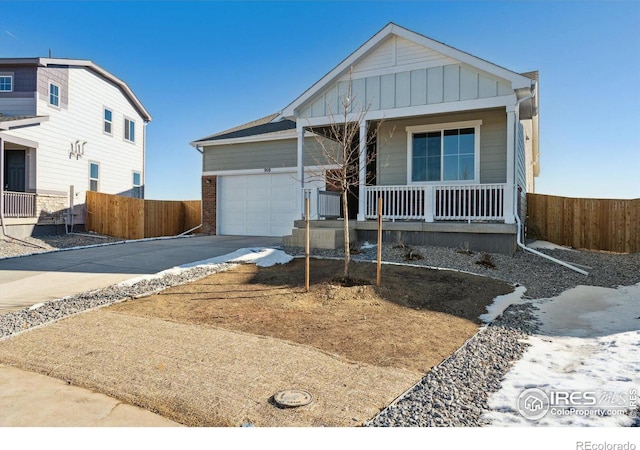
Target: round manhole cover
column 292, row 398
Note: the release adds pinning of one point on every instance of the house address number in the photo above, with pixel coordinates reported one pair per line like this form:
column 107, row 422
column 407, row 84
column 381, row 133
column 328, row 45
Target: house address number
column 267, row 169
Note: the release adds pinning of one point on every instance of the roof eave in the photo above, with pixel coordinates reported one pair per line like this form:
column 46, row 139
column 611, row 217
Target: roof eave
column 43, row 62
column 27, row 121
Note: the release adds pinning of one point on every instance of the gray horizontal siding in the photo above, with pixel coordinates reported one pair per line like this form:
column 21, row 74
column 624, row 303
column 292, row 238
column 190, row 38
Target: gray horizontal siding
column 260, row 155
column 392, row 153
column 254, row 155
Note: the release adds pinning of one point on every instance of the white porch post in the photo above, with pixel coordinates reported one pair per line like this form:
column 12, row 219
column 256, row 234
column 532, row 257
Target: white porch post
column 509, row 193
column 2, row 182
column 300, row 130
column 429, row 203
column 362, row 176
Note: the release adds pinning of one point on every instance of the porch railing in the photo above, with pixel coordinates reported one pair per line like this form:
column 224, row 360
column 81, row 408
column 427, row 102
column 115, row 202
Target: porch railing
column 437, row 202
column 328, row 205
column 19, row 204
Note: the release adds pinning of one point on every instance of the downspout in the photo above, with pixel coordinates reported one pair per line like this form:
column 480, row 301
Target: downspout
column 515, row 193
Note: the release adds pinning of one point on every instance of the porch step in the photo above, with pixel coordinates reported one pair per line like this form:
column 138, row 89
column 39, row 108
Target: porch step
column 324, row 238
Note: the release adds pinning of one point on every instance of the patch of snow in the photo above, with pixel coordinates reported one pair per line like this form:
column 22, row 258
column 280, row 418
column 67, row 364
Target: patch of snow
column 366, row 245
column 589, row 341
column 501, row 302
column 260, row 256
column 545, row 245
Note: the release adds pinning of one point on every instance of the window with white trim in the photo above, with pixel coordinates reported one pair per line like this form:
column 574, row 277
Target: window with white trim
column 444, row 152
column 129, row 130
column 137, row 185
column 54, row 94
column 6, row 83
column 108, row 121
column 94, row 176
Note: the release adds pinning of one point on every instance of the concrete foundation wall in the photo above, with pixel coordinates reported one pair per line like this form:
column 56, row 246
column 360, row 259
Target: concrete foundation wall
column 478, row 242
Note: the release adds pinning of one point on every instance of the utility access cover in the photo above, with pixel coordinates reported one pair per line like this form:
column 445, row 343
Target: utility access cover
column 292, row 398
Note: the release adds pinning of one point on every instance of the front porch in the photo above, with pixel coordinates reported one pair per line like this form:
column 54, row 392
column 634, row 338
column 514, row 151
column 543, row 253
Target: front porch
column 470, row 217
column 428, row 203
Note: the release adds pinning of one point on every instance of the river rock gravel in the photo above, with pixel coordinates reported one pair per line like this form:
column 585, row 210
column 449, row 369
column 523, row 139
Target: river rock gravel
column 10, row 248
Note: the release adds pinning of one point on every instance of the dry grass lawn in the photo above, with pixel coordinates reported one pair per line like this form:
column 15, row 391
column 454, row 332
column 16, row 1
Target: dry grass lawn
column 213, row 352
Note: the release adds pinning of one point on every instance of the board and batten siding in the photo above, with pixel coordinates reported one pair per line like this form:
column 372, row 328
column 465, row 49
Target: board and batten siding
column 392, row 151
column 81, row 119
column 261, row 155
column 400, row 74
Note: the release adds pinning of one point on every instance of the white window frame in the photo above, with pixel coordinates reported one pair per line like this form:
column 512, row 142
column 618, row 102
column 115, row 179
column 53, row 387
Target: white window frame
column 475, row 124
column 127, row 130
column 10, row 76
column 97, row 180
column 51, row 83
column 139, row 186
column 105, row 121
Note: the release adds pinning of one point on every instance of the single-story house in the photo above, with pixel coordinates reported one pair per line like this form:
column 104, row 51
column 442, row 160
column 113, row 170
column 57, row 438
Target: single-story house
column 454, row 151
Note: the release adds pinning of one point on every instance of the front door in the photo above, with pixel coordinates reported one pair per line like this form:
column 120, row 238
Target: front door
column 15, row 169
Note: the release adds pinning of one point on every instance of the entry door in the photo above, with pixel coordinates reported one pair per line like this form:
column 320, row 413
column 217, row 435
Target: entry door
column 15, row 170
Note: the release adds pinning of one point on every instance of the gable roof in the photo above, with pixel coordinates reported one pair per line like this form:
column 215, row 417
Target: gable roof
column 90, row 65
column 517, row 80
column 264, row 125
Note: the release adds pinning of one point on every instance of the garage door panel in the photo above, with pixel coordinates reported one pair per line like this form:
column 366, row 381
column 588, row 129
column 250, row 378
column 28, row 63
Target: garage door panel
column 258, row 205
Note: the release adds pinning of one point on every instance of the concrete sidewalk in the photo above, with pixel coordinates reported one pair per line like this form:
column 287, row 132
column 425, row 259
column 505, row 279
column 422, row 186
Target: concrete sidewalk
column 28, row 280
column 29, row 399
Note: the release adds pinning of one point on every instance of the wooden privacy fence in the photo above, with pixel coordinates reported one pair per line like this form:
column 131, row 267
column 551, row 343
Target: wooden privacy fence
column 595, row 224
column 134, row 218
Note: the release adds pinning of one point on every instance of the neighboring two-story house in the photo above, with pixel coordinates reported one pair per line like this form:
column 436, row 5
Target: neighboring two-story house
column 66, row 126
column 454, row 172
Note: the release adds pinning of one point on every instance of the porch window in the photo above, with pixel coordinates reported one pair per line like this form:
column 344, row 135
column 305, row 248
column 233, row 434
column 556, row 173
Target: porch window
column 108, row 120
column 54, row 94
column 444, row 152
column 129, row 130
column 6, row 83
column 94, row 176
column 137, row 186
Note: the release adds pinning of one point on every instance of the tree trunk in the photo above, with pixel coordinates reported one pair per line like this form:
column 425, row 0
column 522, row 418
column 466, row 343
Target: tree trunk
column 347, row 250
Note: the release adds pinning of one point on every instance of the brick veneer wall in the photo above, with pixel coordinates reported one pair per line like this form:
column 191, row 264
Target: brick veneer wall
column 209, row 204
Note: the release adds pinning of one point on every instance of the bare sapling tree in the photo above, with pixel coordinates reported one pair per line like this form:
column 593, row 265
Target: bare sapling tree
column 339, row 146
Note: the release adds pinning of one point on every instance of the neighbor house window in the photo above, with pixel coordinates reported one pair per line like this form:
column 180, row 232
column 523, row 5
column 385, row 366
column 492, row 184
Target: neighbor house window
column 108, row 120
column 137, row 185
column 94, row 176
column 6, row 83
column 129, row 130
column 54, row 94
column 445, row 152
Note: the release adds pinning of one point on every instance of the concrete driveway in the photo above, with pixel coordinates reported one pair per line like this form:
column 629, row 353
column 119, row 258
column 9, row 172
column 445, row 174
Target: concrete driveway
column 28, row 280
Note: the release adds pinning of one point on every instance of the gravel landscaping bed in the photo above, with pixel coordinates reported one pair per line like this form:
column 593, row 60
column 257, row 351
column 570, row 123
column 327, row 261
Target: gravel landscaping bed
column 455, row 392
column 11, row 248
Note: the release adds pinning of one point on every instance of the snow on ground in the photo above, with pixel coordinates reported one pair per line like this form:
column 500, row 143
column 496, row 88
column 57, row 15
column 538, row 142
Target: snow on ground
column 260, row 256
column 548, row 246
column 588, row 344
column 501, row 302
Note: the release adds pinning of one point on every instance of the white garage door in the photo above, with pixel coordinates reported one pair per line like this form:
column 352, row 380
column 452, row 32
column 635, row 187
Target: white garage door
column 258, row 205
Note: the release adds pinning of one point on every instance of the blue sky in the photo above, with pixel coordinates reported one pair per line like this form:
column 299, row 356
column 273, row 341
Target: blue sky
column 202, row 67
